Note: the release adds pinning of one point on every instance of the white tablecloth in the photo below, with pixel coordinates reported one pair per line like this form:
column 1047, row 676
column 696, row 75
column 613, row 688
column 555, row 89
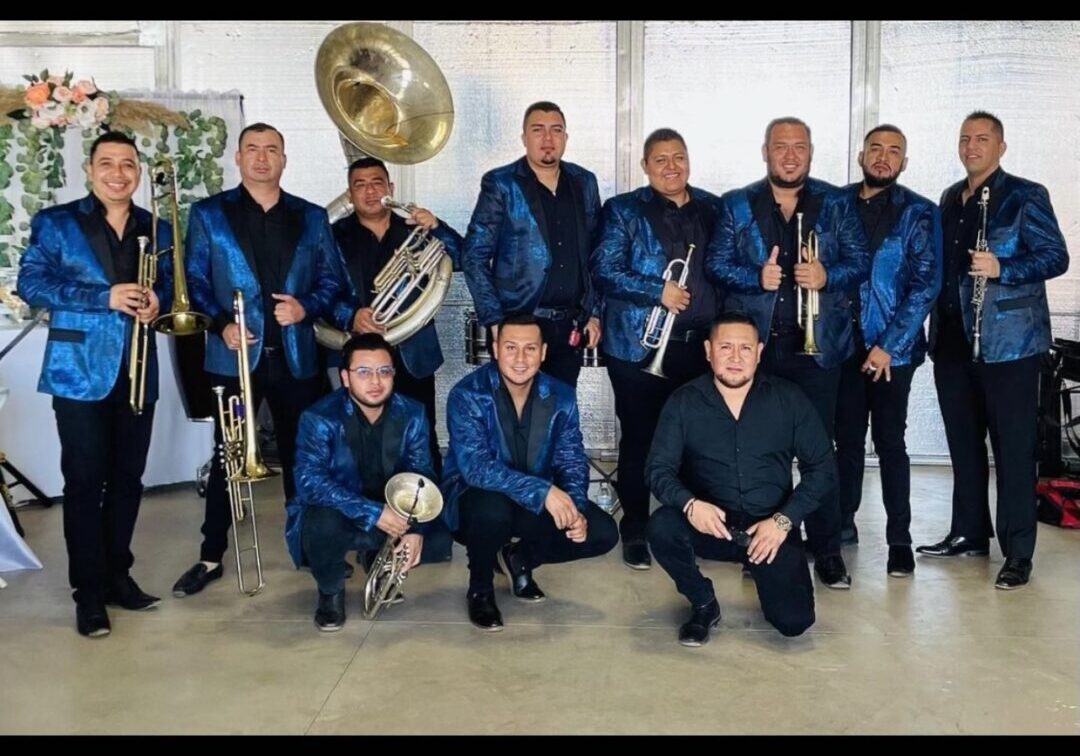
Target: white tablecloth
column 28, row 426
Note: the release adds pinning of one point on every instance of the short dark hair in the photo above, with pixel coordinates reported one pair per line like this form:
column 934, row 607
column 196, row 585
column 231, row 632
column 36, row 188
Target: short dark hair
column 544, row 106
column 364, row 342
column 789, row 120
column 885, row 127
column 113, row 137
column 662, row 135
column 259, row 127
column 367, row 162
column 982, row 115
column 734, row 317
column 521, row 319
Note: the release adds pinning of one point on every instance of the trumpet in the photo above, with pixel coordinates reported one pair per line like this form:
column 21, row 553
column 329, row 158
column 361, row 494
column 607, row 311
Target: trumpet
column 240, row 453
column 807, row 315
column 661, row 319
column 978, row 291
column 139, row 352
column 417, row 499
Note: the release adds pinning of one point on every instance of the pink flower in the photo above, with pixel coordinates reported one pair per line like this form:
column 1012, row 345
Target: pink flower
column 37, row 94
column 56, row 79
column 101, row 108
column 84, row 89
column 62, row 94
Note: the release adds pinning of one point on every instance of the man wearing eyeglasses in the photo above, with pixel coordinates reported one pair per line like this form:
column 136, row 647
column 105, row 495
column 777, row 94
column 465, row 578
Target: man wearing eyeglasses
column 720, row 463
column 348, row 445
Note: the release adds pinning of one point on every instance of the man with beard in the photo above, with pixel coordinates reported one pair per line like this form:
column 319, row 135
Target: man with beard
column 903, row 231
column 720, row 463
column 754, row 256
column 528, row 243
column 993, row 390
column 349, row 444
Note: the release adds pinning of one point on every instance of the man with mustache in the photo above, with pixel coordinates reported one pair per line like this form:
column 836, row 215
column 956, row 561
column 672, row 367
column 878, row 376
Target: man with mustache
column 754, row 256
column 903, row 230
column 528, row 243
column 720, row 464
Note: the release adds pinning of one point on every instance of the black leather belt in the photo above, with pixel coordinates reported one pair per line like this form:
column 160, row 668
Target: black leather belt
column 691, row 336
column 555, row 313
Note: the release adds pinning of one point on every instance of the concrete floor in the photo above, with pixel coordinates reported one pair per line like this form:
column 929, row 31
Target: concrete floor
column 943, row 652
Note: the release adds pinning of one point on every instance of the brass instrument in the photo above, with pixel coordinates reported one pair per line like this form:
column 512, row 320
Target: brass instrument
column 978, row 291
column 807, row 309
column 661, row 319
column 388, row 99
column 181, row 320
column 421, row 266
column 139, row 350
column 417, row 499
column 240, row 453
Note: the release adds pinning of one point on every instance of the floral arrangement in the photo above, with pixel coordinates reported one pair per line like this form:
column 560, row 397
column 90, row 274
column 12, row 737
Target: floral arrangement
column 36, row 116
column 54, row 100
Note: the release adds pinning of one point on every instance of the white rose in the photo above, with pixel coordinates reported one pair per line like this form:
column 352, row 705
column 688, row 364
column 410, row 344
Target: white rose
column 86, row 114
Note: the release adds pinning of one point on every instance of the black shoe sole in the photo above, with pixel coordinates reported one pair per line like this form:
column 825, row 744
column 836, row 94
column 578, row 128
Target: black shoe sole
column 492, row 629
column 1002, row 587
column 329, row 628
column 152, row 605
column 961, row 555
column 839, row 585
column 639, row 566
column 99, row 633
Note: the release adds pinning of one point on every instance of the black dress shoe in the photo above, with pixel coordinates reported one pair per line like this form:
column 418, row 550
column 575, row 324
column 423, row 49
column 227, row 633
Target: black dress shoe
column 513, row 566
column 901, row 562
column 484, row 613
column 832, row 571
column 195, row 579
column 330, row 614
column 1014, row 574
column 126, row 593
column 635, row 555
column 695, row 631
column 954, row 546
column 91, row 619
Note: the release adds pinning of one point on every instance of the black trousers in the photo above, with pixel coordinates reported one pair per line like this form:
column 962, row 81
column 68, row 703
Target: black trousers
column 784, row 587
column 103, row 448
column 288, row 397
column 1000, row 398
column 489, row 520
column 327, row 536
column 781, row 358
column 883, row 406
column 639, row 398
column 423, row 391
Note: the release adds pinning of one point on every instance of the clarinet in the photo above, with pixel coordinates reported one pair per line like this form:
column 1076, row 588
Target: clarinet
column 978, row 293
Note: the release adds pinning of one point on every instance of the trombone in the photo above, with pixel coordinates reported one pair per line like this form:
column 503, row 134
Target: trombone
column 240, row 453
column 181, row 320
column 807, row 308
column 139, row 352
column 661, row 320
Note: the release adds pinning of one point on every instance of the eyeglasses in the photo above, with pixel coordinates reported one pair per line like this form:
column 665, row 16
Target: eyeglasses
column 365, row 373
